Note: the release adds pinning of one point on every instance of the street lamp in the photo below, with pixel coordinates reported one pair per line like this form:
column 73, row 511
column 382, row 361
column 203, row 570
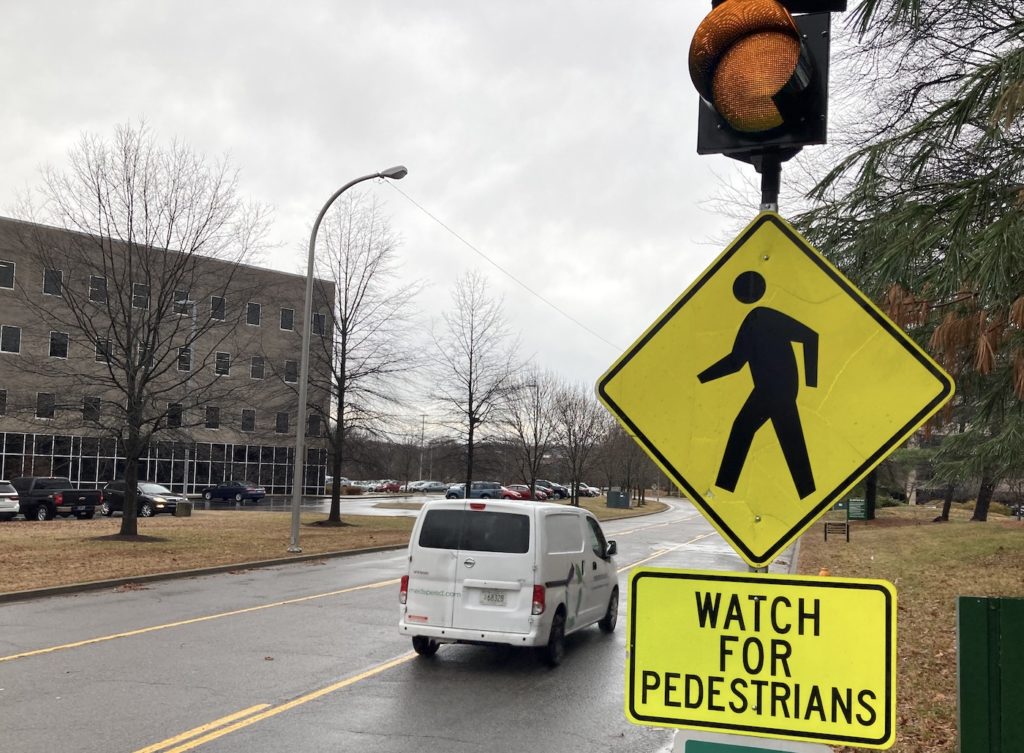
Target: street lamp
column 394, row 173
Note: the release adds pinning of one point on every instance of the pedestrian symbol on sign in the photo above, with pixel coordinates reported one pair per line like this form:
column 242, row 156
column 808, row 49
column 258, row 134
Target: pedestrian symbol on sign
column 764, row 343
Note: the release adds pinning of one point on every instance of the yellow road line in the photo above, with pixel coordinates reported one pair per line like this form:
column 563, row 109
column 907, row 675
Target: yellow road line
column 195, row 620
column 221, row 731
column 287, row 706
column 660, row 552
column 194, row 732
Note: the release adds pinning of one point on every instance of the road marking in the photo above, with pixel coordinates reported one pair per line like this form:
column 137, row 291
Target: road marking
column 203, row 728
column 220, row 730
column 660, row 552
column 195, row 620
column 274, row 711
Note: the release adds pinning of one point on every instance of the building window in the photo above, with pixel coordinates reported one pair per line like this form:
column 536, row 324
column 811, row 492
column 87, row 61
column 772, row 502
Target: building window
column 288, row 319
column 291, row 371
column 281, row 425
column 248, row 419
column 184, row 359
column 313, row 426
column 223, row 365
column 46, row 403
column 212, row 417
column 3, row 402
column 53, row 281
column 91, row 409
column 103, row 351
column 217, row 307
column 174, row 415
column 10, row 339
column 140, row 295
column 59, row 344
column 97, row 289
column 182, row 305
column 256, row 367
column 319, row 324
column 7, row 274
column 145, row 357
column 253, row 313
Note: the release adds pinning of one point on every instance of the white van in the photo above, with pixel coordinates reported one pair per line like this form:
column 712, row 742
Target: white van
column 506, row 572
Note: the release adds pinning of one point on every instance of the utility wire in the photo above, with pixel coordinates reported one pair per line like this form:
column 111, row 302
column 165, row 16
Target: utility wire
column 504, row 271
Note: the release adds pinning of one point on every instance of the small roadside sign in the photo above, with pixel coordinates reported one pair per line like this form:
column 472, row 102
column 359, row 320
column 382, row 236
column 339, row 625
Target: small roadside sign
column 770, row 387
column 811, row 659
column 692, row 741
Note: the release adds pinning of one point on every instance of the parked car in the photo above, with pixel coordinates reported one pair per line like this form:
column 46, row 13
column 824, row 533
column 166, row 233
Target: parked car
column 553, row 490
column 150, row 499
column 239, row 491
column 494, row 573
column 43, row 497
column 524, row 492
column 479, row 490
column 9, row 505
column 433, row 486
column 589, row 491
column 387, row 485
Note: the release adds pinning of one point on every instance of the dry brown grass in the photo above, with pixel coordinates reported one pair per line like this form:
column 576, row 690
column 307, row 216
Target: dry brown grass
column 62, row 551
column 931, row 564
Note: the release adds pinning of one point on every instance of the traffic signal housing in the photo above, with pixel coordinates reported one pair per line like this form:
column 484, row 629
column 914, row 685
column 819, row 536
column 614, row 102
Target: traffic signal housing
column 762, row 74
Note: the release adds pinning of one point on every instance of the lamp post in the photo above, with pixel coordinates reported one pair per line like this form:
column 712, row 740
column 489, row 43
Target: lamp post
column 393, row 173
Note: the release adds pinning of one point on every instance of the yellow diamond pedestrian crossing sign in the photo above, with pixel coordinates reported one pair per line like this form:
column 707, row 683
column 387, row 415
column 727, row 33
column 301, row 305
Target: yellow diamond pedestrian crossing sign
column 770, row 387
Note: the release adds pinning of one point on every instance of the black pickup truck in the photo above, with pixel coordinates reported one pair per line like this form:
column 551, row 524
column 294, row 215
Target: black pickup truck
column 43, row 497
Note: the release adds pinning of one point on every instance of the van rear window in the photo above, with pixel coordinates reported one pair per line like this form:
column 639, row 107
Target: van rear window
column 476, row 531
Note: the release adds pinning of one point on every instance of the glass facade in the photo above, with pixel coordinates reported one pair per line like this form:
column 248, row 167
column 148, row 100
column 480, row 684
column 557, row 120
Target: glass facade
column 90, row 462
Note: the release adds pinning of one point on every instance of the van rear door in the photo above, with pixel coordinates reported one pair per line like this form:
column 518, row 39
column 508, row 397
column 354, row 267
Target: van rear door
column 433, row 554
column 495, row 568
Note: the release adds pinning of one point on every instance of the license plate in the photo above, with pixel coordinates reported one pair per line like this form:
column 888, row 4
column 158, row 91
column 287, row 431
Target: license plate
column 492, row 597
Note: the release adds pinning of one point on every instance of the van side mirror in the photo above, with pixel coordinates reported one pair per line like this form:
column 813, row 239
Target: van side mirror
column 612, row 549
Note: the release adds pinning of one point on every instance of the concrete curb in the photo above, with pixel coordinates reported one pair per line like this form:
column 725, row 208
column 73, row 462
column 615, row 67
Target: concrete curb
column 97, row 585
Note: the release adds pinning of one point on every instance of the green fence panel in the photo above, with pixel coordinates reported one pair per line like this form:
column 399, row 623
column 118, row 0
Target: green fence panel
column 990, row 665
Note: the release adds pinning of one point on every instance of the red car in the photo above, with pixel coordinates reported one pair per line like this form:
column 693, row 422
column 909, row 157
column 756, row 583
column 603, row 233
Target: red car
column 524, row 492
column 387, row 486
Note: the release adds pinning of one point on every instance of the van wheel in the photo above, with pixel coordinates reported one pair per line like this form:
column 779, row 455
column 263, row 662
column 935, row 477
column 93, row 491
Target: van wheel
column 424, row 646
column 554, row 651
column 607, row 623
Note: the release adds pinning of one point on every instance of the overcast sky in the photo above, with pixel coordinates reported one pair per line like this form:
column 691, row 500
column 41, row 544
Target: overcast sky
column 558, row 137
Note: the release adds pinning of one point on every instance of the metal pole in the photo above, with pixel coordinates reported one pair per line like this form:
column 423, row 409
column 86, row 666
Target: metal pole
column 395, row 173
column 771, row 177
column 188, row 392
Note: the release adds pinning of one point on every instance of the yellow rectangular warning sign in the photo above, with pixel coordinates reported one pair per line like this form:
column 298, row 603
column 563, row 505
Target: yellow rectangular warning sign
column 797, row 658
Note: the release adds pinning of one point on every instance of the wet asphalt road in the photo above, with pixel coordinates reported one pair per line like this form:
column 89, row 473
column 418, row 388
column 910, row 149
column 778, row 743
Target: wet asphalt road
column 307, row 657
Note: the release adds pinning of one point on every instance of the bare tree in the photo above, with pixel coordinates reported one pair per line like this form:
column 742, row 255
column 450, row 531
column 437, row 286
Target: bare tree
column 529, row 419
column 366, row 348
column 475, row 366
column 580, row 423
column 154, row 229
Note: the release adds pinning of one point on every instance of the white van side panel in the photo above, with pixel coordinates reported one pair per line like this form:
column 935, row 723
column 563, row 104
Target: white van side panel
column 562, row 563
column 598, row 573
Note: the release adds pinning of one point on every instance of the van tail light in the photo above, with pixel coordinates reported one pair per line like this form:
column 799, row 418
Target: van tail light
column 403, row 592
column 58, row 498
column 538, row 600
